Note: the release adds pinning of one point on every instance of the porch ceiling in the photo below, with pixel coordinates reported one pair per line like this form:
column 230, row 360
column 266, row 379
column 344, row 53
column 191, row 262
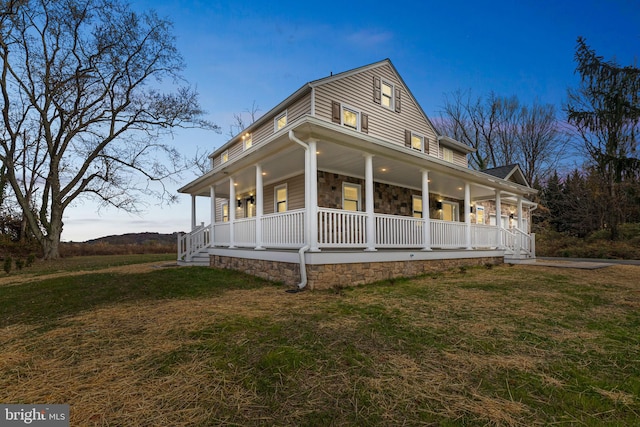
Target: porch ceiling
column 343, row 160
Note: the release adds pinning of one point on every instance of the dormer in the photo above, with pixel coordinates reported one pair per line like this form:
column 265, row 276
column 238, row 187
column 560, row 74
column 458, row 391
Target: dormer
column 453, row 151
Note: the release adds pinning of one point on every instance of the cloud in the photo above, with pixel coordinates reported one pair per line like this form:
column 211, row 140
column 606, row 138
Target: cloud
column 369, row 38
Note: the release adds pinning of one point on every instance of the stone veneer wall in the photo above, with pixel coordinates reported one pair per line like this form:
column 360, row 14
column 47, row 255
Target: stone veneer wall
column 388, row 199
column 326, row 276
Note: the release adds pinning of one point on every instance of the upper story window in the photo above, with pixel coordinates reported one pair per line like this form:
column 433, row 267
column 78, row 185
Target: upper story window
column 280, row 121
column 447, row 154
column 224, row 158
column 280, row 196
column 417, row 142
column 387, row 90
column 349, row 117
column 386, row 94
column 350, row 196
column 247, row 139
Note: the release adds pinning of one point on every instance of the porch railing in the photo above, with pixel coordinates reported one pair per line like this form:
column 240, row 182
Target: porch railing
column 338, row 228
column 346, row 229
column 284, row 230
column 518, row 243
column 484, row 236
column 447, row 234
column 394, row 231
column 244, row 232
column 190, row 243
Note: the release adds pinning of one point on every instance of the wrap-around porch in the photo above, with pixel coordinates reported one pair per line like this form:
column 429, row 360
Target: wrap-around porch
column 369, row 226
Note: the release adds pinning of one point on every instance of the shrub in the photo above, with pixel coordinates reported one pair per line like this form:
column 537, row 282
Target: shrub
column 7, row 264
column 30, row 259
column 19, row 264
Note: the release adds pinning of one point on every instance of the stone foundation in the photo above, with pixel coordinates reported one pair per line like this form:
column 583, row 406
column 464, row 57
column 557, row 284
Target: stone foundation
column 326, row 276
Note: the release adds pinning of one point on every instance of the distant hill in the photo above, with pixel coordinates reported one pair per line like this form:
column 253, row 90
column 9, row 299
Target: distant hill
column 137, row 239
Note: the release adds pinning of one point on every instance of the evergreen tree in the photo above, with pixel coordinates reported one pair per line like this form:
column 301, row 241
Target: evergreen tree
column 605, row 110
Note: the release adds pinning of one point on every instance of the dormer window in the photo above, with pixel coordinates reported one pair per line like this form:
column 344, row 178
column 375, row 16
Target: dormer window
column 224, row 157
column 447, row 154
column 247, row 139
column 280, row 121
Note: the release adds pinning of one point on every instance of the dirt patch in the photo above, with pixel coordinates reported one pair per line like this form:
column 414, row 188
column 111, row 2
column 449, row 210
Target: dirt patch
column 123, row 269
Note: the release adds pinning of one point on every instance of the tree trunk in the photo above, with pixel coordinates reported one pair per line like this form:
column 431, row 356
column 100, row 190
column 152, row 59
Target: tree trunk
column 51, row 241
column 51, row 247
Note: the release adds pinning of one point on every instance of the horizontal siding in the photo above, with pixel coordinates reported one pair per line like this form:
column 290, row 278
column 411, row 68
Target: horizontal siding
column 357, row 92
column 459, row 158
column 295, row 194
column 298, row 108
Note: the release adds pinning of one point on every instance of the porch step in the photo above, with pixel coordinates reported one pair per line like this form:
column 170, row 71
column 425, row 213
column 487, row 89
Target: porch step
column 200, row 259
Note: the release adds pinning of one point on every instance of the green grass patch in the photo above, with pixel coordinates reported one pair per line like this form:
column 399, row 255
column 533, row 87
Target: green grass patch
column 50, row 299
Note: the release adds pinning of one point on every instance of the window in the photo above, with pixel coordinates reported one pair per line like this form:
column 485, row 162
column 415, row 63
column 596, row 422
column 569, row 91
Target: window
column 417, row 206
column 224, row 158
column 280, row 121
column 280, row 194
column 247, row 138
column 350, row 196
column 447, row 154
column 225, row 212
column 449, row 211
column 350, row 117
column 417, row 142
column 387, row 95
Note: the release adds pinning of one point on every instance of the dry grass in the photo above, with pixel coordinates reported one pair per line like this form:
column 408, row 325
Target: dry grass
column 507, row 346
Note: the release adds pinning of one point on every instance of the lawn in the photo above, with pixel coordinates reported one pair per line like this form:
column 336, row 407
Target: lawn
column 521, row 345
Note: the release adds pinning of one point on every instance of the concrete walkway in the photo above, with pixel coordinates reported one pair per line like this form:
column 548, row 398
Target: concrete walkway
column 580, row 263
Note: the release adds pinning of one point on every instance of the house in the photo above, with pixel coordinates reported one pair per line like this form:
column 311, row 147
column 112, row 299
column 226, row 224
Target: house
column 347, row 181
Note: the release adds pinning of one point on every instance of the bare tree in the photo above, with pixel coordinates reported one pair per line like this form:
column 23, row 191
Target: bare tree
column 80, row 115
column 240, row 123
column 540, row 141
column 503, row 131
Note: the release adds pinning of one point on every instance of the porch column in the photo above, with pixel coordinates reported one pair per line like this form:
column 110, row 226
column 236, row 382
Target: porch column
column 520, row 215
column 193, row 212
column 467, row 214
column 259, row 207
column 232, row 210
column 498, row 220
column 368, row 197
column 426, row 228
column 212, row 194
column 313, row 196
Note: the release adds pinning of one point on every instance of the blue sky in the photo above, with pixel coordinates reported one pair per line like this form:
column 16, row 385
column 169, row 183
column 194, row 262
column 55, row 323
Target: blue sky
column 238, row 52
